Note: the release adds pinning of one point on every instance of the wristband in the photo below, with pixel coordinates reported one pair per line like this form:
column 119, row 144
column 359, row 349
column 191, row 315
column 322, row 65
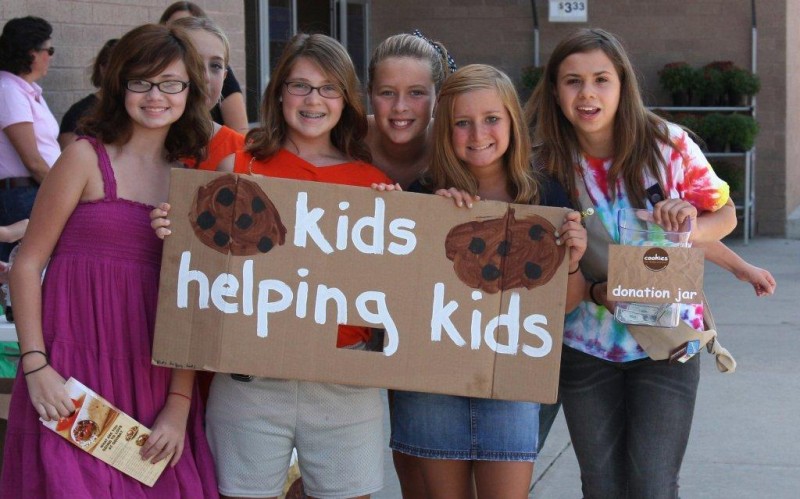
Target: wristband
column 46, row 363
column 22, row 356
column 180, row 395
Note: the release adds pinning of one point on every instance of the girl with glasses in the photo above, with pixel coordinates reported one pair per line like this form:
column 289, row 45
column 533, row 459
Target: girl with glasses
column 313, row 128
column 92, row 317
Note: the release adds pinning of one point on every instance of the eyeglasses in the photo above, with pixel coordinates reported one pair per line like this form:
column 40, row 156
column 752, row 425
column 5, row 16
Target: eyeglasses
column 301, row 89
column 50, row 51
column 167, row 87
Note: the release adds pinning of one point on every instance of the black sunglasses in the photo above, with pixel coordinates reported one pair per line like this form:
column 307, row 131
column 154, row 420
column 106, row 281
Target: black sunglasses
column 50, row 51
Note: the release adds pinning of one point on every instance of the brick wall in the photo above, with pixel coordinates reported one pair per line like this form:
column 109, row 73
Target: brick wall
column 80, row 28
column 655, row 32
column 500, row 32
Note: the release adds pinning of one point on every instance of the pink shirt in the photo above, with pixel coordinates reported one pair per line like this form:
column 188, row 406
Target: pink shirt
column 22, row 102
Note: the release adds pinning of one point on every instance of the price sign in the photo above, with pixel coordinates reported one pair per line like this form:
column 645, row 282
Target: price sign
column 569, row 12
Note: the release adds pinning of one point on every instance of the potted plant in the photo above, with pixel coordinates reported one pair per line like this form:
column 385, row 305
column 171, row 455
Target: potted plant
column 714, row 130
column 740, row 85
column 691, row 122
column 679, row 79
column 711, row 86
column 529, row 79
column 742, row 131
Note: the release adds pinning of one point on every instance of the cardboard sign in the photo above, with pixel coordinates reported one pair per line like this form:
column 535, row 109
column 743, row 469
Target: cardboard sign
column 259, row 271
column 654, row 274
column 107, row 433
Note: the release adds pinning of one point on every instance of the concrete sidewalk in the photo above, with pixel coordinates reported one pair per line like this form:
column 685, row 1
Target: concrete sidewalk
column 745, row 440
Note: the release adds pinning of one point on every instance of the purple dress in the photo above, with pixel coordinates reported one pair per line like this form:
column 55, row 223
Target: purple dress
column 98, row 314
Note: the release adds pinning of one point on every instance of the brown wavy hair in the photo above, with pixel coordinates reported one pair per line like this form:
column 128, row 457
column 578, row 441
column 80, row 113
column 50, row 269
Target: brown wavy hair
column 332, row 59
column 143, row 52
column 637, row 131
column 447, row 170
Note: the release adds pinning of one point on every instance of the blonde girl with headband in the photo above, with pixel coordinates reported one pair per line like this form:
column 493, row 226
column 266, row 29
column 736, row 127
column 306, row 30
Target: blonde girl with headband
column 405, row 74
column 313, row 128
column 93, row 316
column 482, row 152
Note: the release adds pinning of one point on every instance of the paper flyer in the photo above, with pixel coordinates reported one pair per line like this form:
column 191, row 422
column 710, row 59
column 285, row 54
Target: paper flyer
column 107, row 433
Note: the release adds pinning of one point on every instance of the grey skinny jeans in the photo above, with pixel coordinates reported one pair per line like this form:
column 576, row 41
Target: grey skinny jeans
column 629, row 423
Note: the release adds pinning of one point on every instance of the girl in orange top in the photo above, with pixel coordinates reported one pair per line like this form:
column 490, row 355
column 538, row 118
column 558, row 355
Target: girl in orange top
column 212, row 44
column 313, row 128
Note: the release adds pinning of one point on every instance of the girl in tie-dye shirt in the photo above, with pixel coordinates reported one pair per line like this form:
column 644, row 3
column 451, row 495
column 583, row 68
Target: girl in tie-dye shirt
column 628, row 415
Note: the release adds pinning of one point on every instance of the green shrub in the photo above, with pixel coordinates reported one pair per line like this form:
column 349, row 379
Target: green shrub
column 742, row 131
column 680, row 80
column 741, row 83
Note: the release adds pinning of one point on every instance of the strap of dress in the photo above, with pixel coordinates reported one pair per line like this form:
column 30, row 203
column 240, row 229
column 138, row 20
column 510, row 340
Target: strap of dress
column 104, row 163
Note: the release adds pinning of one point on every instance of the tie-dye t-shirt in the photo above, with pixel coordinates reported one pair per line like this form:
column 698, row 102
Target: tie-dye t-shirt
column 592, row 329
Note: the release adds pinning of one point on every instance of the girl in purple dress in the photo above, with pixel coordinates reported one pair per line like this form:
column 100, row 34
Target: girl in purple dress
column 93, row 316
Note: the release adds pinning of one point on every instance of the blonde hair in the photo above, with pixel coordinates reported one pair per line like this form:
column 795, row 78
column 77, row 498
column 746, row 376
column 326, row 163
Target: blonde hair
column 332, row 59
column 638, row 132
column 447, row 170
column 414, row 47
column 207, row 25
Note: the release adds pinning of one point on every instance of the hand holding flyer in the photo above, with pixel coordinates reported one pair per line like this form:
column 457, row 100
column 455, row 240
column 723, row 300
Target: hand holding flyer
column 106, row 433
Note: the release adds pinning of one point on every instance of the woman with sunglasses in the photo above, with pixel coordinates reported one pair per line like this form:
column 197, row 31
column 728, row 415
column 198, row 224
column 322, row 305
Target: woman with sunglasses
column 28, row 130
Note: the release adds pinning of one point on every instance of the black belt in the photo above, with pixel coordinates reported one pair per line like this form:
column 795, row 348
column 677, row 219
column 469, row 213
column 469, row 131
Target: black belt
column 14, row 182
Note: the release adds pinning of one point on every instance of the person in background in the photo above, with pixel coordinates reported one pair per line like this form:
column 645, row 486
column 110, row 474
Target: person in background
column 212, row 45
column 595, row 136
column 69, row 123
column 230, row 109
column 28, row 130
column 93, row 316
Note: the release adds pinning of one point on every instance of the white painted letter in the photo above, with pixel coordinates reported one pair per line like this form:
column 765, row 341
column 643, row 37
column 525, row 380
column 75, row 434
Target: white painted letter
column 381, row 317
column 547, row 341
column 266, row 307
column 185, row 276
column 440, row 317
column 324, row 293
column 401, row 228
column 225, row 285
column 511, row 321
column 376, row 223
column 306, row 225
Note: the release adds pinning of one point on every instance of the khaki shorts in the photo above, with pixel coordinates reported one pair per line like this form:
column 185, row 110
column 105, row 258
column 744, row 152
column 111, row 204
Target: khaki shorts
column 253, row 426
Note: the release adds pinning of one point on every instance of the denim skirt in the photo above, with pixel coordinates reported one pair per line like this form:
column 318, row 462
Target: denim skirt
column 449, row 427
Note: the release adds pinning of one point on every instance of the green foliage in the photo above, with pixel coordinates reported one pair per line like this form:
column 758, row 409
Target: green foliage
column 711, row 86
column 742, row 82
column 742, row 131
column 714, row 131
column 677, row 77
column 731, row 173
